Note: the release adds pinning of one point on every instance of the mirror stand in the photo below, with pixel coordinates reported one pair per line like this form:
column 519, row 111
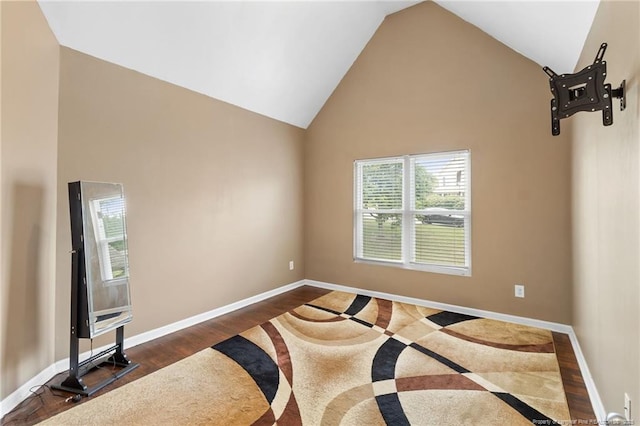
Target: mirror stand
column 100, row 297
column 74, row 383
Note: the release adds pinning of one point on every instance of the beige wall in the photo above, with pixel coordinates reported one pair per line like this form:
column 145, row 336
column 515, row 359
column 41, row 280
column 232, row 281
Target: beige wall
column 606, row 222
column 428, row 82
column 214, row 192
column 30, row 64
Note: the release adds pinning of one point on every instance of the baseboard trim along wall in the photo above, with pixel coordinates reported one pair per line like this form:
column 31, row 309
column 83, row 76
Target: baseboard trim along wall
column 19, row 395
column 45, row 375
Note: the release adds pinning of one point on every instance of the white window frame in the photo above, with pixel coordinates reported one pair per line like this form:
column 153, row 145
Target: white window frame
column 408, row 213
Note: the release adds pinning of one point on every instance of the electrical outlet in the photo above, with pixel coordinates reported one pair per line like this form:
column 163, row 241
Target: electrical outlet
column 519, row 290
column 291, row 265
column 627, row 406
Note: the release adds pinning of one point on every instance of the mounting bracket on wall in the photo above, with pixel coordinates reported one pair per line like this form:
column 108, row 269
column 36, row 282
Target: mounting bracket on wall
column 583, row 91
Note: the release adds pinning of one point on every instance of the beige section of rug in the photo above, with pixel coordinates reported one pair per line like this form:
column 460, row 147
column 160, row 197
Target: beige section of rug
column 345, row 359
column 204, row 389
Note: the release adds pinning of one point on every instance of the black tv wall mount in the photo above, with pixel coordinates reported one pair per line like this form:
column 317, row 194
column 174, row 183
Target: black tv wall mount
column 583, row 91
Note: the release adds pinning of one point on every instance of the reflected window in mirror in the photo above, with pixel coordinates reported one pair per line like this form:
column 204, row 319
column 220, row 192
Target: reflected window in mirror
column 108, row 215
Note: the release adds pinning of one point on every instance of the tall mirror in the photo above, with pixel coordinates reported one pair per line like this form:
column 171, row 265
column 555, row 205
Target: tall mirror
column 105, row 253
column 100, row 297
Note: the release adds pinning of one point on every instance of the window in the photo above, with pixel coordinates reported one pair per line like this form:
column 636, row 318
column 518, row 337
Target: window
column 414, row 212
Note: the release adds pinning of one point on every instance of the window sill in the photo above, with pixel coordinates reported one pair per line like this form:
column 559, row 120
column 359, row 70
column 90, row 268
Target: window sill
column 447, row 270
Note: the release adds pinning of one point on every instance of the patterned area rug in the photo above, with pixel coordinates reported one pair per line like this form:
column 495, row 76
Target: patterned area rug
column 346, row 359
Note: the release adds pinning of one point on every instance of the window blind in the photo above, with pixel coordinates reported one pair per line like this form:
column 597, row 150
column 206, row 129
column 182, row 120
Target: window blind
column 414, row 211
column 380, row 209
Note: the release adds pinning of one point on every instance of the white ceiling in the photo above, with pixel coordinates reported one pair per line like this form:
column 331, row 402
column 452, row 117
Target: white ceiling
column 549, row 32
column 283, row 59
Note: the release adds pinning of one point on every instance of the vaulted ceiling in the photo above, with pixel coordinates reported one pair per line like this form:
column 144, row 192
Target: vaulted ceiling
column 283, row 59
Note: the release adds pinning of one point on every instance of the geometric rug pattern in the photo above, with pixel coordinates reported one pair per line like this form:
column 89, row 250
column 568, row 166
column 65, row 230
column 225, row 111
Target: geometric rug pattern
column 348, row 359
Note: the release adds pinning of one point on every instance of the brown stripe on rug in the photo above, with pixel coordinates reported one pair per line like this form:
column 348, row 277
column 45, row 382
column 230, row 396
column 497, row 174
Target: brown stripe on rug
column 540, row 348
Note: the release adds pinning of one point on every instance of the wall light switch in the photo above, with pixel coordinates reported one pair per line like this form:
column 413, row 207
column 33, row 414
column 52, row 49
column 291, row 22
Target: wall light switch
column 291, row 265
column 519, row 290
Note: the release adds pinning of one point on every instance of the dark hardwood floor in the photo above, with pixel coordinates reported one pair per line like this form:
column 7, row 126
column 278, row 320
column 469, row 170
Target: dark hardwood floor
column 168, row 349
column 577, row 396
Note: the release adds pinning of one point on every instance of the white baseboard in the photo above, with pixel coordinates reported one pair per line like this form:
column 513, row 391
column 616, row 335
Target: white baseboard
column 16, row 397
column 196, row 319
column 553, row 326
column 10, row 402
column 596, row 402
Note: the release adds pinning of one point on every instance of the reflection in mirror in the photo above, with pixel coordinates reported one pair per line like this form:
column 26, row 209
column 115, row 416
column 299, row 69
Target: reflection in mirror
column 105, row 253
column 107, row 216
